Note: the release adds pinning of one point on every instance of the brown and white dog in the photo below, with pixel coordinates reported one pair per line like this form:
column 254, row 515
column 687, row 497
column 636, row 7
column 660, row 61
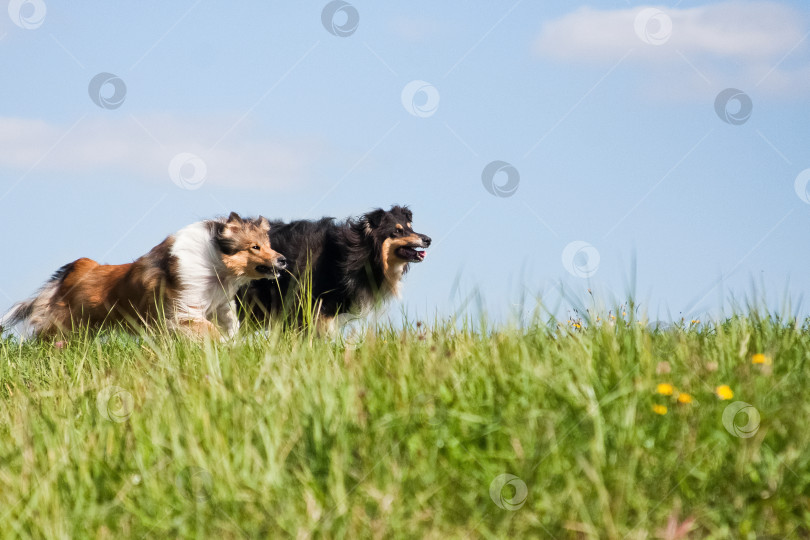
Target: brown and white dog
column 188, row 280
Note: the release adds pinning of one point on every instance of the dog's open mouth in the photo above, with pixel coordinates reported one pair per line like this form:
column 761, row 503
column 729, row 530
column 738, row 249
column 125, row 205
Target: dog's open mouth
column 411, row 253
column 267, row 270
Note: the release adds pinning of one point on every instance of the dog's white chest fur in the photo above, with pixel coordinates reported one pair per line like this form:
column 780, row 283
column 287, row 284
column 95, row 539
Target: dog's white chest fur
column 206, row 286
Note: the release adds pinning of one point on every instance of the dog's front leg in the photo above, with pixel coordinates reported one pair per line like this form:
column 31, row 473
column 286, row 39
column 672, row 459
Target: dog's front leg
column 191, row 321
column 227, row 319
column 325, row 326
column 198, row 329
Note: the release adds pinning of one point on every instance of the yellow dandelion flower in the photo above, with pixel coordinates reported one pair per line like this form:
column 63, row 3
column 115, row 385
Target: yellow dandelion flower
column 724, row 392
column 683, row 397
column 665, row 389
column 760, row 358
column 660, row 409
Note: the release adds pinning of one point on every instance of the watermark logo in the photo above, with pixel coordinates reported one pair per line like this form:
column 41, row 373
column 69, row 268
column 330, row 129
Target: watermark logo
column 580, row 259
column 27, row 14
column 340, row 18
column 188, row 170
column 733, row 106
column 115, row 404
column 420, row 99
column 194, row 483
column 741, row 419
column 506, row 188
column 800, row 185
column 653, row 26
column 108, row 91
column 499, row 493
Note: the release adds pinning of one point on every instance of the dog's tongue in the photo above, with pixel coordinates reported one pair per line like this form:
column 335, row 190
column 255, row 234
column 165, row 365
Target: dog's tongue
column 421, row 253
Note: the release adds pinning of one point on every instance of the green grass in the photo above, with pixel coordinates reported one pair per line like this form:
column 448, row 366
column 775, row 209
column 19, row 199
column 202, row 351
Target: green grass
column 402, row 436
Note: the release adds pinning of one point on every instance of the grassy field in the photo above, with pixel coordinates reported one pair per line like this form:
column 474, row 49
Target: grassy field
column 608, row 430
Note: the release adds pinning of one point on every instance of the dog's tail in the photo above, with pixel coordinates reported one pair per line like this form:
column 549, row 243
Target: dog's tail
column 34, row 314
column 17, row 314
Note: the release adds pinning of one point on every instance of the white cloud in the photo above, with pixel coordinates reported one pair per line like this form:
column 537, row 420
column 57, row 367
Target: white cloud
column 738, row 43
column 146, row 145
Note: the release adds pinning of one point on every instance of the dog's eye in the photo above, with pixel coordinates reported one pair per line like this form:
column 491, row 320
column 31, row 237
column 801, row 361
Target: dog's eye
column 256, row 247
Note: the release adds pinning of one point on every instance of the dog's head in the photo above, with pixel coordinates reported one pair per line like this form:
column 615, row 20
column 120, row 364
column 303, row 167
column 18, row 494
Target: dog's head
column 245, row 247
column 392, row 231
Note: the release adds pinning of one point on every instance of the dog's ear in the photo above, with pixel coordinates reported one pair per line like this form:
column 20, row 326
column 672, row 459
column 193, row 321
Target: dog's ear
column 372, row 220
column 263, row 223
column 408, row 214
column 225, row 235
column 234, row 218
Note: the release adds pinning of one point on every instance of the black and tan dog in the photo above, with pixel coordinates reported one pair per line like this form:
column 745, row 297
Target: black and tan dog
column 336, row 267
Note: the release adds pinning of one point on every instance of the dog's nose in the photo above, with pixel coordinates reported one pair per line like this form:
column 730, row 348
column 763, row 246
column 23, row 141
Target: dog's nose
column 426, row 240
column 281, row 262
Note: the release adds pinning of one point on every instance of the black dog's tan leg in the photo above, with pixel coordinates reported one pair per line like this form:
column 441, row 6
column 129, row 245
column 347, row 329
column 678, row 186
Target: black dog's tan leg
column 325, row 326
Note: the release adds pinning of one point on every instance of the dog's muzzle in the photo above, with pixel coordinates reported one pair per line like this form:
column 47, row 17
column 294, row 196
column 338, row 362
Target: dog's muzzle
column 273, row 271
column 415, row 252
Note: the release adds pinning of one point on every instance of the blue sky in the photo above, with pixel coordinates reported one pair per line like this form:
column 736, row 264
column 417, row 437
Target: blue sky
column 605, row 112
